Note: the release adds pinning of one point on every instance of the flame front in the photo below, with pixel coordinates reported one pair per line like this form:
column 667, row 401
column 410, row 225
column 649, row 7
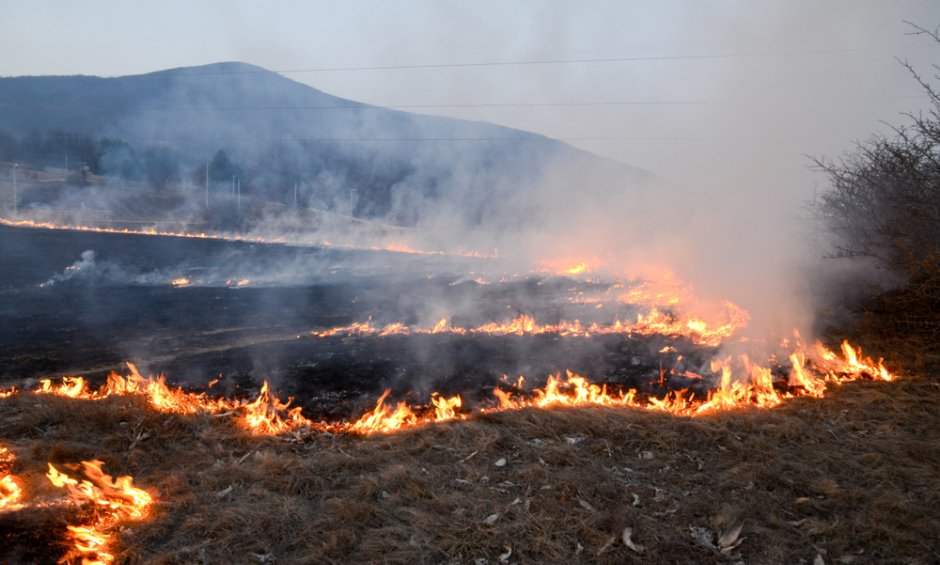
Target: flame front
column 756, row 389
column 739, row 382
column 394, row 247
column 654, row 322
column 266, row 414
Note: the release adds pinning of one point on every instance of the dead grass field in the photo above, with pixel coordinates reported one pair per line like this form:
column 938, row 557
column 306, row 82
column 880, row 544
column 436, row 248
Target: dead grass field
column 852, row 478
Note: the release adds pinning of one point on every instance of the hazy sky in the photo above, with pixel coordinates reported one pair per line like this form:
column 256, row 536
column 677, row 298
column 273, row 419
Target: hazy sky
column 802, row 77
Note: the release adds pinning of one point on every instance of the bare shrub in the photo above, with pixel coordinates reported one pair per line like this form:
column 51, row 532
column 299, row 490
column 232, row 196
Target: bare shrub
column 883, row 205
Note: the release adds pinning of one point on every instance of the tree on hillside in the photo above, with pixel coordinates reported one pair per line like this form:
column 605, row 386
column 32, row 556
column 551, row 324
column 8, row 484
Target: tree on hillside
column 221, row 168
column 118, row 158
column 160, row 166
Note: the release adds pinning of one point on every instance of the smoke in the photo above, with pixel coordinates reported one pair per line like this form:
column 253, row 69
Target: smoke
column 707, row 188
column 84, row 268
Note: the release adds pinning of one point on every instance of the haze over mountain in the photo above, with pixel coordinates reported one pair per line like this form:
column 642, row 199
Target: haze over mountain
column 274, row 134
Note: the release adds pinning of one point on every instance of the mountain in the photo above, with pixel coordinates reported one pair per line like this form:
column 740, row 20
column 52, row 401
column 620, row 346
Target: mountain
column 274, row 134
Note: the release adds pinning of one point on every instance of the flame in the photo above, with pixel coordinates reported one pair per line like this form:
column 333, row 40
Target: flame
column 114, row 501
column 654, row 322
column 851, row 363
column 578, row 269
column 739, row 383
column 392, row 247
column 72, row 387
column 698, row 330
column 10, row 492
column 263, row 415
column 446, row 408
column 180, row 281
column 440, row 326
column 266, row 414
column 756, row 389
column 568, row 266
column 386, row 418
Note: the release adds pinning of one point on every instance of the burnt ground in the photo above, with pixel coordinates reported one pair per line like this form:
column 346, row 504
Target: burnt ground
column 852, row 478
column 120, row 307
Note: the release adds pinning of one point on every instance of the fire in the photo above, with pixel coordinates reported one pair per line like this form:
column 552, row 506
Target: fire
column 391, row 248
column 440, row 326
column 655, row 322
column 446, row 408
column 738, row 383
column 114, row 501
column 757, row 388
column 568, row 266
column 385, row 418
column 180, row 281
column 263, row 415
column 578, row 269
column 266, row 414
column 698, row 330
column 10, row 492
column 72, row 387
column 852, row 362
column 162, row 397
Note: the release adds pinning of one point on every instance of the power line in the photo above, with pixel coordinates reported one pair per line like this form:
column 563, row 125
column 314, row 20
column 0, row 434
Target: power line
column 681, row 57
column 525, row 138
column 364, row 106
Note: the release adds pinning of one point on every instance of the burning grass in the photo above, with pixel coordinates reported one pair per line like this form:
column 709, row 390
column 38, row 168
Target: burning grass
column 852, row 477
column 564, row 474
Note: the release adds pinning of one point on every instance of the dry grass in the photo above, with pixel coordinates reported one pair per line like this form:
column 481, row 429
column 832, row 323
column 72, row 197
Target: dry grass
column 854, row 477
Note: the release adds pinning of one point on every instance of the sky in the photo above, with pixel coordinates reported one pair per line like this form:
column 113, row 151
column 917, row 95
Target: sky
column 717, row 93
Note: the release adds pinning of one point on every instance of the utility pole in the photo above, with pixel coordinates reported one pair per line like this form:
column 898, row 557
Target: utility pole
column 233, row 186
column 238, row 197
column 15, row 205
column 207, row 185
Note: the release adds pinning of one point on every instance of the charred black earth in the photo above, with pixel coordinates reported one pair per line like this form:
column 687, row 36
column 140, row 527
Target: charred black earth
column 83, row 303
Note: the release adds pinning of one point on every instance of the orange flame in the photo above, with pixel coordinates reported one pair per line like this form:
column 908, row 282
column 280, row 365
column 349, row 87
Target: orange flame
column 385, row 418
column 263, row 415
column 10, row 492
column 392, row 247
column 114, row 501
column 756, row 389
column 72, row 387
column 655, row 322
column 740, row 383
